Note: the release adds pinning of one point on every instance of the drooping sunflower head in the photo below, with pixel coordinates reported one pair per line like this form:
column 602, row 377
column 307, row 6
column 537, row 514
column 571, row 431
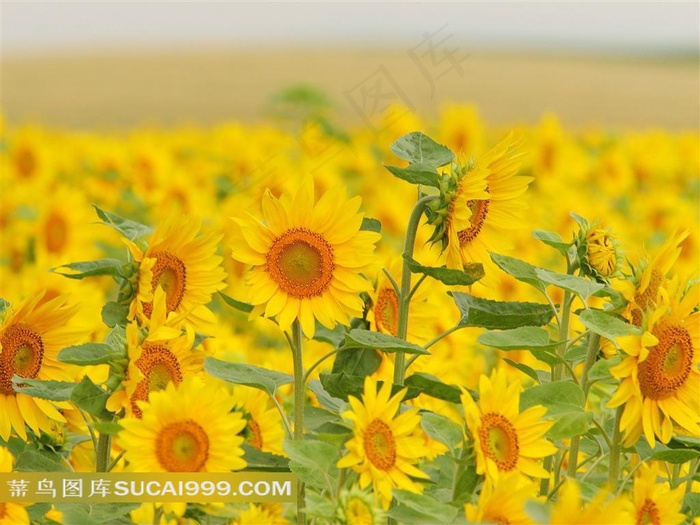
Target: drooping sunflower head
column 307, row 258
column 599, row 253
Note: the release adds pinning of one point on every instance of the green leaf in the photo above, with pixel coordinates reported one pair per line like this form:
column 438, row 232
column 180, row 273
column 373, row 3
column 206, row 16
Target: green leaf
column 80, row 270
column 418, row 148
column 584, row 288
column 264, row 461
column 447, row 276
column 617, row 300
column 116, row 339
column 90, row 397
column 235, row 303
column 552, row 239
column 334, row 337
column 426, row 506
column 600, row 371
column 521, row 338
column 94, row 513
column 564, row 401
column 51, row 390
column 33, row 461
column 692, row 501
column 442, row 429
column 606, row 324
column 324, row 398
column 114, row 314
column 341, row 385
column 3, row 305
column 357, row 361
column 86, row 354
column 497, row 315
column 528, row 371
column 378, row 341
column 249, row 375
column 132, row 230
column 675, row 456
column 521, row 270
column 417, row 174
column 107, row 427
column 313, row 461
column 371, row 225
column 433, row 387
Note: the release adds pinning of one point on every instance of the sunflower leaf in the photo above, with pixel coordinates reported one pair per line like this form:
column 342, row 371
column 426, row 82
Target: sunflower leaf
column 95, row 513
column 433, row 387
column 314, row 462
column 676, row 456
column 447, row 276
column 264, row 461
column 132, row 230
column 584, row 288
column 114, row 314
column 606, row 324
column 564, row 401
column 357, row 361
column 552, row 239
column 426, row 506
column 371, row 225
column 521, row 338
column 249, row 375
column 101, row 267
column 3, row 305
column 528, row 371
column 34, row 461
column 498, row 315
column 521, row 270
column 235, row 303
column 377, row 341
column 442, row 429
column 416, row 174
column 90, row 397
column 86, row 354
column 418, row 148
column 51, row 390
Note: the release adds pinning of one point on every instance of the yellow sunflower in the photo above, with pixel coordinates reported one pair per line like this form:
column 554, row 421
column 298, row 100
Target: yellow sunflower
column 307, row 259
column 569, row 509
column 505, row 439
column 384, row 449
column 263, row 428
column 30, row 339
column 257, row 514
column 185, row 428
column 11, row 513
column 358, row 507
column 184, row 264
column 488, row 200
column 660, row 381
column 503, row 501
column 654, row 502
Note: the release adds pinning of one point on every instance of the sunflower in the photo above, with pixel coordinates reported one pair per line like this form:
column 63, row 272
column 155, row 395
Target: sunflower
column 502, row 502
column 654, row 502
column 660, row 381
column 185, row 428
column 598, row 251
column 357, row 507
column 256, row 514
column 10, row 513
column 263, row 428
column 569, row 509
column 30, row 339
column 307, row 259
column 384, row 449
column 505, row 439
column 184, row 264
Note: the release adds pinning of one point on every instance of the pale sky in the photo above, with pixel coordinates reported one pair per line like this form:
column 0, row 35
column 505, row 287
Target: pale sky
column 616, row 27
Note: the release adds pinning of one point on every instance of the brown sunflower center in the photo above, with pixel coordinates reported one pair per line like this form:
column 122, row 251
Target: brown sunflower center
column 499, row 440
column 357, row 512
column 647, row 299
column 25, row 162
column 386, row 311
column 480, row 209
column 3, row 511
column 254, row 434
column 182, row 446
column 56, row 232
column 301, row 262
column 159, row 367
column 22, row 355
column 648, row 514
column 170, row 273
column 380, row 445
column 496, row 518
column 668, row 365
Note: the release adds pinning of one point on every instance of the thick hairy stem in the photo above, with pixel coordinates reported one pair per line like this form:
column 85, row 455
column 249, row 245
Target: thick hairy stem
column 102, row 456
column 299, row 398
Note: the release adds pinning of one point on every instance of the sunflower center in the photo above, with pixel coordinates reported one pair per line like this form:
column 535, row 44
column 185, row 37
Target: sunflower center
column 499, row 440
column 254, row 434
column 668, row 365
column 25, row 162
column 380, row 445
column 357, row 512
column 480, row 209
column 159, row 367
column 22, row 355
column 497, row 518
column 648, row 514
column 182, row 447
column 56, row 231
column 301, row 262
column 386, row 311
column 170, row 273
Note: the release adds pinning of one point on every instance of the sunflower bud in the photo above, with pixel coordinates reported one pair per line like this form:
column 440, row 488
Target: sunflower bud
column 598, row 250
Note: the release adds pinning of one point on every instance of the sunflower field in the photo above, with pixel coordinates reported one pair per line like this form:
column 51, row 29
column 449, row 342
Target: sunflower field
column 426, row 321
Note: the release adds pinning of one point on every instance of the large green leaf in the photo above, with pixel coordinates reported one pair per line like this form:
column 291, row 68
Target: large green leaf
column 584, row 288
column 114, row 314
column 416, row 174
column 675, row 456
column 498, row 315
column 132, row 230
column 564, row 401
column 86, row 354
column 418, row 148
column 378, row 341
column 521, row 338
column 426, row 506
column 357, row 361
column 313, row 461
column 34, row 461
column 448, row 276
column 521, row 270
column 95, row 513
column 433, row 387
column 90, row 397
column 552, row 239
column 264, row 461
column 608, row 325
column 51, row 390
column 249, row 375
column 80, row 270
column 442, row 429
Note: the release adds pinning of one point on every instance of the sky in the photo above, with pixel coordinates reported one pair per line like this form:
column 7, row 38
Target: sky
column 618, row 27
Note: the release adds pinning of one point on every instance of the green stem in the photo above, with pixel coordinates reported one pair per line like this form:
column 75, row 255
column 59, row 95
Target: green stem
column 299, row 398
column 615, row 450
column 563, row 334
column 405, row 292
column 591, row 354
column 104, row 446
column 157, row 514
column 317, row 363
column 544, row 482
column 115, row 461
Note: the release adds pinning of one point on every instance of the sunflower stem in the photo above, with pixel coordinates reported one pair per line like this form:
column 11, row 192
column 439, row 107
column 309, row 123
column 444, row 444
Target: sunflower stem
column 104, row 446
column 405, row 292
column 614, row 469
column 591, row 354
column 298, row 409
